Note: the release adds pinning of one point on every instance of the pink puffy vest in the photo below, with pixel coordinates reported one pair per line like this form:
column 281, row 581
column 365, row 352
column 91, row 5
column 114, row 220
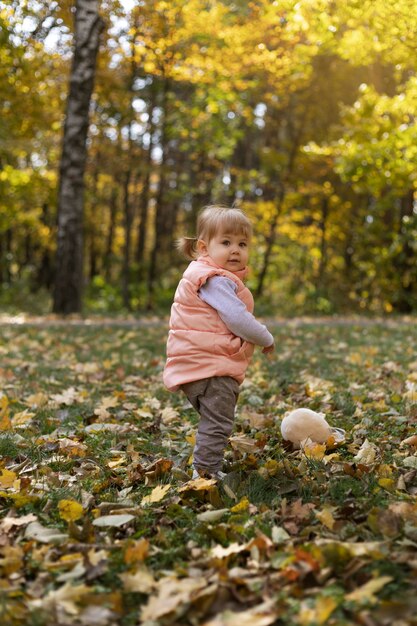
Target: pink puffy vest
column 199, row 343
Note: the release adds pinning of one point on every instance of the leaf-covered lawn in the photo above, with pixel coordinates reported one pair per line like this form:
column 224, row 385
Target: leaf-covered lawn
column 100, row 526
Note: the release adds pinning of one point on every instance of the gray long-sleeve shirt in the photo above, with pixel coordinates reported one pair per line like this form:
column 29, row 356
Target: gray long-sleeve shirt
column 220, row 293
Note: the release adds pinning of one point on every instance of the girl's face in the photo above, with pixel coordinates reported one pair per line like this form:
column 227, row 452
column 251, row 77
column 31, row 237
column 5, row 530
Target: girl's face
column 229, row 251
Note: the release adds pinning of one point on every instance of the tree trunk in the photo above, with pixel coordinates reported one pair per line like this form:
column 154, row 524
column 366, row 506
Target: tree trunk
column 406, row 263
column 323, row 243
column 69, row 256
column 110, row 235
column 160, row 208
column 270, row 240
column 144, row 200
column 128, row 220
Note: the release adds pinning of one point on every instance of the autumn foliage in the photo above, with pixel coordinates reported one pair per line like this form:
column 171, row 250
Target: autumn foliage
column 301, row 112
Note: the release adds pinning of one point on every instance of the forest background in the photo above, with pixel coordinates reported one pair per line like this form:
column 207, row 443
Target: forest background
column 302, row 113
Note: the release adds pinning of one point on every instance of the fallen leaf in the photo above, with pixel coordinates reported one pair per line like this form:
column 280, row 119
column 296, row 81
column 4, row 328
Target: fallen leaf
column 262, row 615
column 156, row 495
column 315, row 451
column 199, row 484
column 67, row 397
column 366, row 454
column 410, row 441
column 410, row 461
column 141, row 581
column 279, row 535
column 212, row 516
column 36, row 531
column 319, row 613
column 9, row 522
column 243, row 444
column 218, row 552
column 113, row 520
column 7, row 479
column 72, row 448
column 171, row 594
column 22, row 418
column 169, row 415
column 70, row 510
column 326, row 516
column 136, row 551
column 37, row 400
column 5, row 423
column 366, row 593
column 65, row 597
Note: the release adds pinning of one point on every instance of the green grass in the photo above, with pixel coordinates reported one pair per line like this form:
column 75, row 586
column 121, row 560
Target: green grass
column 355, row 374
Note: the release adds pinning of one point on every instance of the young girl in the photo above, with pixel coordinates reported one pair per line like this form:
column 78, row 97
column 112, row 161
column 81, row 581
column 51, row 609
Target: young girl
column 212, row 330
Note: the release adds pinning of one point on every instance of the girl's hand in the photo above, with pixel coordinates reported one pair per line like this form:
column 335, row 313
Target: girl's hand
column 269, row 349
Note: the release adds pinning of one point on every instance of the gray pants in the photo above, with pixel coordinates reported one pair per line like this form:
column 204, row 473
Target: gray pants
column 215, row 400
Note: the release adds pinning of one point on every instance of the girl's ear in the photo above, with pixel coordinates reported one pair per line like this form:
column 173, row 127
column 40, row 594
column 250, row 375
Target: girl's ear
column 202, row 247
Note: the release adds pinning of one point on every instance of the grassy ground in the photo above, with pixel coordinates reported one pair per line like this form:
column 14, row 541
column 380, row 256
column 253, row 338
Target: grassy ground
column 100, row 527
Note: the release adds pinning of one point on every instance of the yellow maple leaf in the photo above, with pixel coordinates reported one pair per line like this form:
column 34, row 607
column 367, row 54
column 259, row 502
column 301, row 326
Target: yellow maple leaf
column 37, row 400
column 70, row 510
column 318, row 614
column 20, row 419
column 199, row 484
column 136, row 551
column 326, row 517
column 7, row 478
column 315, row 451
column 243, row 505
column 156, row 494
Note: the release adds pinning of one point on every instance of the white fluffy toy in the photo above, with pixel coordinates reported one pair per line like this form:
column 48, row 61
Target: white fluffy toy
column 304, row 425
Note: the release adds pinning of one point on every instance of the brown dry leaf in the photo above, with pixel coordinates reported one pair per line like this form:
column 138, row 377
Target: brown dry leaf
column 218, row 552
column 169, row 415
column 366, row 454
column 326, row 516
column 243, row 444
column 65, row 597
column 262, row 615
column 72, row 448
column 22, row 418
column 141, row 581
column 37, row 400
column 406, row 510
column 158, row 468
column 299, row 510
column 256, row 420
column 367, row 591
column 410, row 441
column 11, row 559
column 67, row 397
column 173, row 596
column 9, row 522
column 136, row 551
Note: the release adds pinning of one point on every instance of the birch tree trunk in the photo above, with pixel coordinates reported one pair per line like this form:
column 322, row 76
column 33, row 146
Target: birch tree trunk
column 69, row 256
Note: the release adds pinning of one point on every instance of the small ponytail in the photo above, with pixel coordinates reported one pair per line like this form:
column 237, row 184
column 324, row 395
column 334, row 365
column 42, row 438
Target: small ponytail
column 188, row 247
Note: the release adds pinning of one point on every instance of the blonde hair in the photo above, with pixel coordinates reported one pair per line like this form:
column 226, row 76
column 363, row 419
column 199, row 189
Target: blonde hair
column 211, row 221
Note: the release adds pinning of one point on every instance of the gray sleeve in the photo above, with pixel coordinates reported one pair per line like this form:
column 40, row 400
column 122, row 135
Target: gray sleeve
column 220, row 293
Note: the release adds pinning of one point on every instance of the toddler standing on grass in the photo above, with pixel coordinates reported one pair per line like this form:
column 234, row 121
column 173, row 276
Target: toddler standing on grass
column 213, row 331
